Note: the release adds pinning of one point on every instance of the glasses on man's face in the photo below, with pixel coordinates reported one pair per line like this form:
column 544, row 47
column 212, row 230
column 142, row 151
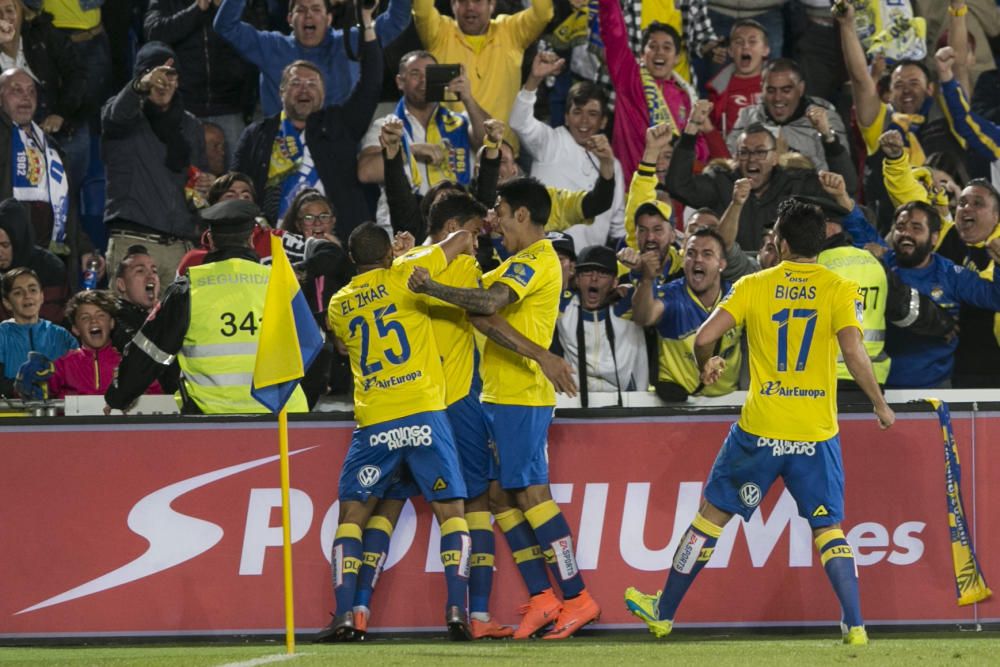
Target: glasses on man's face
column 758, row 154
column 314, row 219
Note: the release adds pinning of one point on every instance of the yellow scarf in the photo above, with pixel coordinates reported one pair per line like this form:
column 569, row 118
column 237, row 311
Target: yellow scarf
column 656, row 104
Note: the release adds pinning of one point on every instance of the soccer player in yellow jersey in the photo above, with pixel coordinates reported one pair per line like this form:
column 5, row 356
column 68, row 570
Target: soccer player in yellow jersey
column 453, row 333
column 399, row 403
column 795, row 315
column 518, row 397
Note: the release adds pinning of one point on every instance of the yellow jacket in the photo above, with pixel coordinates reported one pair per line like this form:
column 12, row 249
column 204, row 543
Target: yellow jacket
column 567, row 209
column 494, row 68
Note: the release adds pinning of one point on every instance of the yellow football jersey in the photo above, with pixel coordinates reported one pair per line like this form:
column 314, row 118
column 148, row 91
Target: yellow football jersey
column 387, row 329
column 453, row 331
column 683, row 314
column 792, row 314
column 536, row 277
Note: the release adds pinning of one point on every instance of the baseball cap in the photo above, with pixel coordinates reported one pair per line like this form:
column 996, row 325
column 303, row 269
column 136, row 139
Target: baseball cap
column 654, row 207
column 599, row 257
column 563, row 244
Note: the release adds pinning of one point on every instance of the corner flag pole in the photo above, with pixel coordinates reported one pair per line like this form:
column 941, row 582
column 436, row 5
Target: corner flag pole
column 286, row 532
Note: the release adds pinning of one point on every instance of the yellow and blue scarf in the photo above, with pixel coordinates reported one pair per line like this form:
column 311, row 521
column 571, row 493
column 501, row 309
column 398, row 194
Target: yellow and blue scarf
column 291, row 168
column 452, row 131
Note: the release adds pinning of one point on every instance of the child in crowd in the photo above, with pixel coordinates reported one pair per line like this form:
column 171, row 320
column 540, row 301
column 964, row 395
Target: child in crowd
column 90, row 369
column 739, row 84
column 26, row 335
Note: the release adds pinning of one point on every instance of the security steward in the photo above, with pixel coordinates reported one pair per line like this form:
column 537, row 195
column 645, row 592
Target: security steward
column 209, row 320
column 883, row 296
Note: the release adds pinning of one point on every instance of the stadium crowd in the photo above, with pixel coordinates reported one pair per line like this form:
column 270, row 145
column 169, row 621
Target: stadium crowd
column 645, row 121
column 583, row 182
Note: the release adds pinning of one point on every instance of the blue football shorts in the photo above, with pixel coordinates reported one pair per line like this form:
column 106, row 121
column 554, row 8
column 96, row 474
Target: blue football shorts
column 747, row 465
column 472, row 439
column 424, row 442
column 520, row 435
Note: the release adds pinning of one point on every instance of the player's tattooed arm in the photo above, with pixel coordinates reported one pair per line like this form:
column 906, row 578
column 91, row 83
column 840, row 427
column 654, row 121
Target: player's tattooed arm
column 476, row 300
column 555, row 368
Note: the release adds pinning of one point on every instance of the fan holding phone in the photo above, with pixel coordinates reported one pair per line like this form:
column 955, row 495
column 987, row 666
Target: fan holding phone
column 438, row 143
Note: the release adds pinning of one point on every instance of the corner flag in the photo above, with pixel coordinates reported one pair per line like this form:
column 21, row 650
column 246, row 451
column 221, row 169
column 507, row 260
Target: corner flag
column 290, row 339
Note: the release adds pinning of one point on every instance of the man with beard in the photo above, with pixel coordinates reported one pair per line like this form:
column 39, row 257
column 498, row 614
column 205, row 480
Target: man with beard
column 648, row 219
column 311, row 144
column 884, row 296
column 922, row 361
column 607, row 349
column 678, row 308
column 757, row 159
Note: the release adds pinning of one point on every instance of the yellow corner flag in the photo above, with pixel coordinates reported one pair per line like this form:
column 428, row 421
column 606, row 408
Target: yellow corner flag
column 290, row 339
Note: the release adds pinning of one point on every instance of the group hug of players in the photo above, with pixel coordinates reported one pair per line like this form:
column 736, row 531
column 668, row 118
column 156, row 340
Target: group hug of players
column 469, row 433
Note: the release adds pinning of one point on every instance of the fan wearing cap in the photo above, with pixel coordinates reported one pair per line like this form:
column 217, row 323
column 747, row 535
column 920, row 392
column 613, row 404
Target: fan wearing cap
column 592, row 320
column 209, row 320
column 678, row 308
column 648, row 220
column 148, row 144
column 565, row 248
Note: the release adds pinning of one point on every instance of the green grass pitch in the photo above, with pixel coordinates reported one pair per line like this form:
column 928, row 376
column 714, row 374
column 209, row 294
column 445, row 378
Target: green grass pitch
column 716, row 650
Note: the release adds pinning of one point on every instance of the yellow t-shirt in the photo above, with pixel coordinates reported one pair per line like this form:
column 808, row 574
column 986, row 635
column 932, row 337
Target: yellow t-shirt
column 68, row 15
column 386, row 327
column 535, row 276
column 454, row 334
column 683, row 314
column 792, row 314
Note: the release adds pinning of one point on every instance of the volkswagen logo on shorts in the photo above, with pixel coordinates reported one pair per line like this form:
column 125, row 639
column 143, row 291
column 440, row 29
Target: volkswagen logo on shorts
column 369, row 475
column 750, row 494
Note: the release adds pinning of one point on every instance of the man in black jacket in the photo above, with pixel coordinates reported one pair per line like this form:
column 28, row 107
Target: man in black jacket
column 149, row 143
column 756, row 159
column 308, row 145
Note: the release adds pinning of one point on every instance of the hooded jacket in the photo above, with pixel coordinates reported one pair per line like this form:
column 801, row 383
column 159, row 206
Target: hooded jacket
column 145, row 193
column 51, row 271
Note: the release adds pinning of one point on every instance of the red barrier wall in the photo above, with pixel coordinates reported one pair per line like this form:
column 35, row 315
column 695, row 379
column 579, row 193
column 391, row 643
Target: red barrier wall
column 154, row 529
